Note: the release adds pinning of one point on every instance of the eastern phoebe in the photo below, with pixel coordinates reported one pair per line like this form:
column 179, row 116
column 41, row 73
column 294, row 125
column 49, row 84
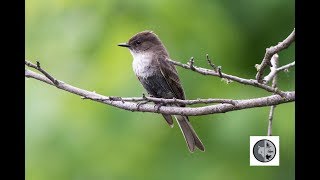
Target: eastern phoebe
column 160, row 78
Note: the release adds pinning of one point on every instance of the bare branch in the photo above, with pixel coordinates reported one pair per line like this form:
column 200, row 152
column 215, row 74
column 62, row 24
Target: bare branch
column 219, row 71
column 167, row 101
column 190, row 111
column 270, row 120
column 143, row 98
column 271, row 51
column 191, row 62
column 42, row 71
column 251, row 82
column 273, row 69
column 210, row 62
column 286, row 67
column 274, row 62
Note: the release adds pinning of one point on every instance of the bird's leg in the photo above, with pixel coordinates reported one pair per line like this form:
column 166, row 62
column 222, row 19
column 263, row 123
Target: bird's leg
column 141, row 103
column 158, row 105
column 145, row 101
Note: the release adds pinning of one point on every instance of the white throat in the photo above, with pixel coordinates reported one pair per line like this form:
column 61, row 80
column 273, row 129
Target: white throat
column 142, row 65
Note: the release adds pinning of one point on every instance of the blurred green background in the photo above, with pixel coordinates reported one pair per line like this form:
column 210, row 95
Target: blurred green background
column 68, row 138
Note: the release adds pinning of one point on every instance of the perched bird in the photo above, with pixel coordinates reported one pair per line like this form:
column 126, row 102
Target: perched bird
column 160, row 78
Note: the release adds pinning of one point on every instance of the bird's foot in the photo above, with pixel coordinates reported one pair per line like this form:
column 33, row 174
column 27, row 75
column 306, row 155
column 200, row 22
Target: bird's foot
column 141, row 103
column 158, row 105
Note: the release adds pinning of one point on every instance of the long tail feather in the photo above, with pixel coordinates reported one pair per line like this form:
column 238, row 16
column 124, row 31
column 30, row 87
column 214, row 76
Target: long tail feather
column 189, row 133
column 169, row 120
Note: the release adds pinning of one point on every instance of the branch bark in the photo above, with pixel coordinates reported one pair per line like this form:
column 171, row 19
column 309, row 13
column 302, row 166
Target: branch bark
column 286, row 67
column 271, row 51
column 273, row 69
column 218, row 73
column 273, row 72
column 190, row 111
column 270, row 118
column 167, row 101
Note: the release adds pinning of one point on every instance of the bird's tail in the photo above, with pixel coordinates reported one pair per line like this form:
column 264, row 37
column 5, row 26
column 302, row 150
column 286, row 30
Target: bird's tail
column 189, row 134
column 169, row 120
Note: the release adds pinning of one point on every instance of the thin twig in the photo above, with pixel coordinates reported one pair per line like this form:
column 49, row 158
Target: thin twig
column 271, row 51
column 275, row 63
column 38, row 67
column 210, row 62
column 273, row 69
column 270, row 120
column 251, row 82
column 219, row 71
column 191, row 62
column 286, row 67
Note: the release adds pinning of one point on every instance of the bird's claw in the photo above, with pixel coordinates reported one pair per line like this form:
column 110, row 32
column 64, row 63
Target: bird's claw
column 141, row 103
column 158, row 105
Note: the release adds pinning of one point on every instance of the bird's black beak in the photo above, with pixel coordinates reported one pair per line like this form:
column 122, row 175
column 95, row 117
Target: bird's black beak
column 124, row 45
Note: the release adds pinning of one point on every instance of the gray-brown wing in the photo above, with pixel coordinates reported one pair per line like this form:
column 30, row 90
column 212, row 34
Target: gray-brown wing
column 171, row 75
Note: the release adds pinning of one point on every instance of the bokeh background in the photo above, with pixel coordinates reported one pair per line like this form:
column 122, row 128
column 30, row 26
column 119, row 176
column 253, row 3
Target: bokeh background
column 68, row 138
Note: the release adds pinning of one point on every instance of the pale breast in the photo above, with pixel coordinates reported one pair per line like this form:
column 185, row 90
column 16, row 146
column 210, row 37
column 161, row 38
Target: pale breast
column 142, row 65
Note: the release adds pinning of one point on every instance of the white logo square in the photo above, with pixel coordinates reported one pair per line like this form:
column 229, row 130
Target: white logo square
column 264, row 150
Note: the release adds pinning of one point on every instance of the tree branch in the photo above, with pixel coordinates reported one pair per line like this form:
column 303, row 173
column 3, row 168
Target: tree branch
column 135, row 103
column 271, row 51
column 53, row 80
column 271, row 112
column 190, row 111
column 273, row 71
column 142, row 104
column 286, row 67
column 218, row 73
column 168, row 101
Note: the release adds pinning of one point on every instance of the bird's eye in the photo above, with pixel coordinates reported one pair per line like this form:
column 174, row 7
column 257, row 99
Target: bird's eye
column 138, row 42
